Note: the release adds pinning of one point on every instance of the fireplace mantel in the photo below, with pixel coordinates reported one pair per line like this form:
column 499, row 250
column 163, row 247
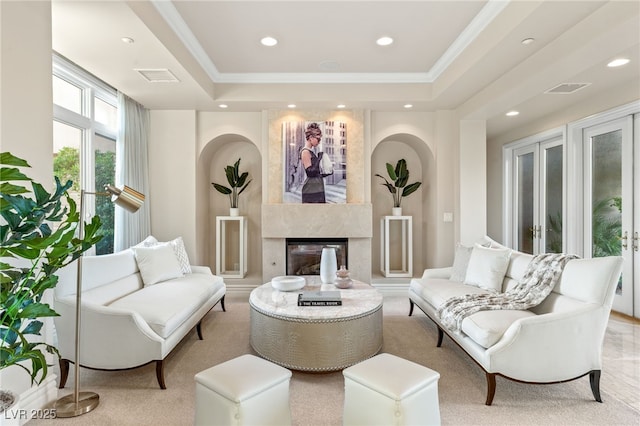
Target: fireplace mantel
column 317, row 220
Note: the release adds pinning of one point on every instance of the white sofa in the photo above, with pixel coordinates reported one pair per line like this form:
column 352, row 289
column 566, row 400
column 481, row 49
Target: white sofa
column 557, row 341
column 125, row 323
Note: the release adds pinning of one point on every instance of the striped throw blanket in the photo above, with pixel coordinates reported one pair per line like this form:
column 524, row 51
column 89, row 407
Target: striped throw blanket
column 541, row 276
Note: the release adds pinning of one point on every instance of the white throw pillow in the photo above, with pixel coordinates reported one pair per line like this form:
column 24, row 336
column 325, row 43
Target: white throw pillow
column 178, row 247
column 487, row 267
column 181, row 254
column 460, row 263
column 157, row 263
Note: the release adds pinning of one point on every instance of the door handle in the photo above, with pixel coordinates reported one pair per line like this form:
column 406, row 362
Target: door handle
column 533, row 232
column 635, row 241
column 625, row 239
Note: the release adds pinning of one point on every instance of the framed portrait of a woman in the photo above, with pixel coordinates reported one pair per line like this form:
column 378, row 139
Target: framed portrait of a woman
column 315, row 162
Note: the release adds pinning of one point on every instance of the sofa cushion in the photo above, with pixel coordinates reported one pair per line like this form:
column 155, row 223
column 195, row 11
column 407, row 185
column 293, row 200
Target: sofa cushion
column 487, row 267
column 110, row 292
column 164, row 308
column 438, row 290
column 157, row 263
column 487, row 327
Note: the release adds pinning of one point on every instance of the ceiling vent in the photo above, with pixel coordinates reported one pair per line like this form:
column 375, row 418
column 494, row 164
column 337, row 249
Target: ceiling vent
column 158, row 75
column 566, row 88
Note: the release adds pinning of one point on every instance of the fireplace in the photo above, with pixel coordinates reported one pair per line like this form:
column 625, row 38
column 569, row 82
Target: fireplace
column 302, row 255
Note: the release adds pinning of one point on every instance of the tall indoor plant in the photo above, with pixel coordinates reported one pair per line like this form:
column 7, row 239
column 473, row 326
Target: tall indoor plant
column 399, row 185
column 238, row 183
column 36, row 240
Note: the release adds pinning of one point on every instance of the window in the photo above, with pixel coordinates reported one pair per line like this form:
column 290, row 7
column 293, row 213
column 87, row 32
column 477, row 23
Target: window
column 84, row 140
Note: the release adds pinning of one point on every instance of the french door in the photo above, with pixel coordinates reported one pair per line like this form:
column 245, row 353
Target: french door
column 609, row 197
column 538, row 197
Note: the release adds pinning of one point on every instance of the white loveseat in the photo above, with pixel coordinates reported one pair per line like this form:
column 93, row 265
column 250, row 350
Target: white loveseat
column 127, row 323
column 557, row 341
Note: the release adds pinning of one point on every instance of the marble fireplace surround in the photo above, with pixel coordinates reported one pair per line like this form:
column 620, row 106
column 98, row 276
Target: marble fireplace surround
column 351, row 221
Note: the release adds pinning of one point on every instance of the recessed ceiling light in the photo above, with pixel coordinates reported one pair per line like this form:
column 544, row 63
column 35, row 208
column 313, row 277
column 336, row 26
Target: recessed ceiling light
column 291, row 106
column 528, row 40
column 618, row 62
column 384, row 41
column 223, row 106
column 341, row 106
column 512, row 113
column 408, row 106
column 268, row 41
column 128, row 40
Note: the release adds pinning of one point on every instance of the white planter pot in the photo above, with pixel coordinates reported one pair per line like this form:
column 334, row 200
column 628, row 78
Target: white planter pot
column 10, row 414
column 234, row 211
column 396, row 211
column 328, row 265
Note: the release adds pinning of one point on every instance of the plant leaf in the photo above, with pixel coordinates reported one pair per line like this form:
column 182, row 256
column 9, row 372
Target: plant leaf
column 222, row 189
column 410, row 189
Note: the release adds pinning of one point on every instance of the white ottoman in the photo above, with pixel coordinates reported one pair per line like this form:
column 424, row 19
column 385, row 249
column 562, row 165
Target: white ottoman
column 243, row 391
column 388, row 390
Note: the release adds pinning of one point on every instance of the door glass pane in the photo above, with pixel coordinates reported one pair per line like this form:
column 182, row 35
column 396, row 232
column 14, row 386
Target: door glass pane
column 525, row 202
column 105, row 173
column 606, row 223
column 553, row 199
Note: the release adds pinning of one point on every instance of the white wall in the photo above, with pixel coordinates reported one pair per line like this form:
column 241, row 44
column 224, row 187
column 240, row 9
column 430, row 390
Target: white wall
column 26, row 130
column 473, row 180
column 172, row 176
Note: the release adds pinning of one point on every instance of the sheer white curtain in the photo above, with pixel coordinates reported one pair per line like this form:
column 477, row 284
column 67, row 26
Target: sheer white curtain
column 132, row 170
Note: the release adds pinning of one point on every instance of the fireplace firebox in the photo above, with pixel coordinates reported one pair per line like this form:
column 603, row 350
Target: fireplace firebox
column 303, row 254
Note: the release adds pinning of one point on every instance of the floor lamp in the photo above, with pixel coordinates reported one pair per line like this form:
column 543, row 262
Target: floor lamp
column 79, row 403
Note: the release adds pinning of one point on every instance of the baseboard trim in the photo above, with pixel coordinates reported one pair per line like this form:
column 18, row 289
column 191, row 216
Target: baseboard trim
column 33, row 403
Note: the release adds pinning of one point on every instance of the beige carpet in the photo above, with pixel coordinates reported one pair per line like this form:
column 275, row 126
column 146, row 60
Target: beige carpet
column 133, row 397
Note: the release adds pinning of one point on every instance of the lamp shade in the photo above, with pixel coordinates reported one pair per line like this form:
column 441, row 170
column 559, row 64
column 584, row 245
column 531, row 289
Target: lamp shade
column 127, row 198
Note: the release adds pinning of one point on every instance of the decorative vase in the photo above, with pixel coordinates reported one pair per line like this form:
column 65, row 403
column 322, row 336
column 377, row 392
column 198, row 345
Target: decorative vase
column 328, row 265
column 396, row 211
column 342, row 278
column 234, row 211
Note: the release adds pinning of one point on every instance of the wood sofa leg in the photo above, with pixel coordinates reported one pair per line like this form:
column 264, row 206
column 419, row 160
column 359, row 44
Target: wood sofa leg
column 594, row 379
column 440, row 336
column 491, row 388
column 411, row 304
column 64, row 372
column 199, row 330
column 222, row 304
column 160, row 373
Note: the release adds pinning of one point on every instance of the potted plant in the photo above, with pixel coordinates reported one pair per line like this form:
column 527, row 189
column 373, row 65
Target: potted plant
column 31, row 251
column 399, row 186
column 238, row 183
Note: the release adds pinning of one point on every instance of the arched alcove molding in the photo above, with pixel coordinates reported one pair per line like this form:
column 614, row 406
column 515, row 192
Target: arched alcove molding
column 215, row 155
column 420, row 205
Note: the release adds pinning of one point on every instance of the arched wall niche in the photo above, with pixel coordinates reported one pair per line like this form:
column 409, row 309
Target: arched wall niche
column 420, row 205
column 215, row 155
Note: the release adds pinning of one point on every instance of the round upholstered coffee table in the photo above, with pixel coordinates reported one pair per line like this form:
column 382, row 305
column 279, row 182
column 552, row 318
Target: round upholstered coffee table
column 316, row 338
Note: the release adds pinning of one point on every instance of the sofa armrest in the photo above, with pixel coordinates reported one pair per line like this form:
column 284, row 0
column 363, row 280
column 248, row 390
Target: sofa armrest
column 110, row 338
column 197, row 269
column 437, row 273
column 551, row 347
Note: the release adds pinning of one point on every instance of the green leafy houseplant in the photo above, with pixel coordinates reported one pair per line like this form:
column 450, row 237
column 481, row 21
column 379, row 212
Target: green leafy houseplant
column 237, row 181
column 399, row 186
column 30, row 254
